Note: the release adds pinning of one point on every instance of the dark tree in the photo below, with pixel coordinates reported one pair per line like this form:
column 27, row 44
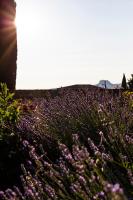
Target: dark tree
column 130, row 82
column 105, row 85
column 124, row 82
column 8, row 43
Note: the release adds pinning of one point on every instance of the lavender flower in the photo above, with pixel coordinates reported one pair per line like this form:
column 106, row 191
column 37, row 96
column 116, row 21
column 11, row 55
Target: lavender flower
column 50, row 191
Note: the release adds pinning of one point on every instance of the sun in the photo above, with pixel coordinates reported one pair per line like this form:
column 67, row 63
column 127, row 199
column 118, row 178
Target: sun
column 27, row 20
column 24, row 21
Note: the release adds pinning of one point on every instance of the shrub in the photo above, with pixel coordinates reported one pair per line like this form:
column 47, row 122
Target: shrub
column 75, row 146
column 9, row 139
column 9, row 110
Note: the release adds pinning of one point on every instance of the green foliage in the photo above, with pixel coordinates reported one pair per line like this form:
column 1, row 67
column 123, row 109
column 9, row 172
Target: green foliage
column 9, row 108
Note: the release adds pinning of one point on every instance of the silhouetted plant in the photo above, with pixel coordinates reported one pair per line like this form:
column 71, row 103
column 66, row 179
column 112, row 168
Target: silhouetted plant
column 124, row 82
column 130, row 82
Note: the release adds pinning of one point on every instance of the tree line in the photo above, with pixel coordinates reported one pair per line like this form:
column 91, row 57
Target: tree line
column 127, row 84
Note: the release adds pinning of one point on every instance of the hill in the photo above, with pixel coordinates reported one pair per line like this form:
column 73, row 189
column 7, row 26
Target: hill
column 53, row 92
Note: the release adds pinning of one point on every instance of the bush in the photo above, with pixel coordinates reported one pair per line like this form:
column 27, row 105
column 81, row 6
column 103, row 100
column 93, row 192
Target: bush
column 9, row 139
column 9, row 110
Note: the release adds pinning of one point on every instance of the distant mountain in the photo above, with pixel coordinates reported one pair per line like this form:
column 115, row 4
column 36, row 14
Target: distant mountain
column 107, row 84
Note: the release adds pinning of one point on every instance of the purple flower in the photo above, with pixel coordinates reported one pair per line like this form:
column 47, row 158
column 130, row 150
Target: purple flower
column 50, row 191
column 25, row 143
column 116, row 189
column 82, row 180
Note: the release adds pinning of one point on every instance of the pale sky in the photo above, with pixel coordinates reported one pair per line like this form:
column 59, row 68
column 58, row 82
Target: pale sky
column 65, row 42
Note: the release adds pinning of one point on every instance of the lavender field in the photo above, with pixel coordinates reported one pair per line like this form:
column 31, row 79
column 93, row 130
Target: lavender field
column 77, row 145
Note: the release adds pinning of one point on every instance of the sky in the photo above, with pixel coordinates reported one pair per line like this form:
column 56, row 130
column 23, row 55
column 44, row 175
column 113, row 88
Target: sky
column 66, row 42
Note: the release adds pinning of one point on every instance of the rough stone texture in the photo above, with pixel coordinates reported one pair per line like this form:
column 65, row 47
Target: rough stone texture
column 8, row 43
